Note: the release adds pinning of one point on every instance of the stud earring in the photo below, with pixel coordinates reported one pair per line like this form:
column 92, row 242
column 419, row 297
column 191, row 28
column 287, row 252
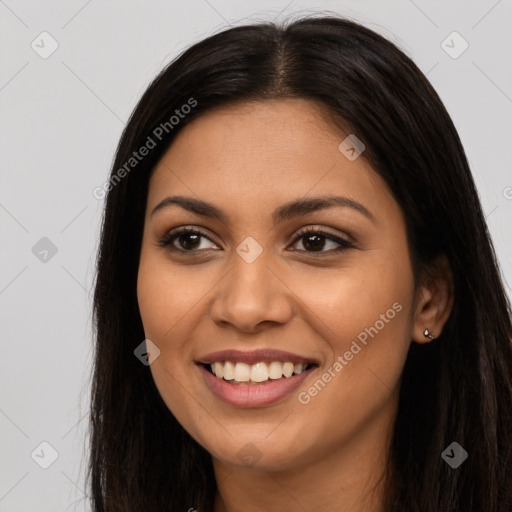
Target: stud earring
column 428, row 334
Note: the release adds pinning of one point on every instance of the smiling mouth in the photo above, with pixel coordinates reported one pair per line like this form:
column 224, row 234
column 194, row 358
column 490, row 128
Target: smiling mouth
column 261, row 373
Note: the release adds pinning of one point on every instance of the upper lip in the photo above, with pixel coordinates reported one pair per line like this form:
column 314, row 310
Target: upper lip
column 254, row 356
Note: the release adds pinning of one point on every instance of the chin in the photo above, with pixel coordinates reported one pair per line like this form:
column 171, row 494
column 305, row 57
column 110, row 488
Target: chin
column 260, row 453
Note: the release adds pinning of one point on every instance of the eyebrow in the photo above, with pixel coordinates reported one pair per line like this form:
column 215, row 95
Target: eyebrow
column 287, row 211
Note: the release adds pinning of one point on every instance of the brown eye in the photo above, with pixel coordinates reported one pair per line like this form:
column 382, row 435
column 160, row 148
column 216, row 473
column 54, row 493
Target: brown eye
column 315, row 240
column 189, row 241
column 184, row 240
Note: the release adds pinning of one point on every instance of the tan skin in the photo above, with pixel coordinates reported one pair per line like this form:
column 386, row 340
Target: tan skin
column 247, row 160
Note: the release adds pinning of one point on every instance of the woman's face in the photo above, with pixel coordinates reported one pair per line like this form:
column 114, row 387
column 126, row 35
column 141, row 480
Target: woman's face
column 252, row 280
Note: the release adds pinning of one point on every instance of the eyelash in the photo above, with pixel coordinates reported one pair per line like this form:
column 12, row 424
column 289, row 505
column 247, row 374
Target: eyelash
column 167, row 240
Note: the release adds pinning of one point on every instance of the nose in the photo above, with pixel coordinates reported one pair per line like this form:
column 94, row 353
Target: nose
column 251, row 296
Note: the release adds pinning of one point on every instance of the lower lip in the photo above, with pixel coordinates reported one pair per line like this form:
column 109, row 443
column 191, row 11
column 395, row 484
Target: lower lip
column 253, row 395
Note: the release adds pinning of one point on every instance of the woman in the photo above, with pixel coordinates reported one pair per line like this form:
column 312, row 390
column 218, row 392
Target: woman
column 298, row 306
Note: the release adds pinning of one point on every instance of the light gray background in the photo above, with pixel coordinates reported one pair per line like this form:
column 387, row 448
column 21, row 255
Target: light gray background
column 60, row 123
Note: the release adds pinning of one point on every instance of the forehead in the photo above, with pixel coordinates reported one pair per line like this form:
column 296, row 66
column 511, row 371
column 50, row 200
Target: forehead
column 261, row 154
column 275, row 126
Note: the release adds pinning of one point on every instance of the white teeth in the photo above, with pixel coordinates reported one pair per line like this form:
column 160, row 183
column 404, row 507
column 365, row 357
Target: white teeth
column 275, row 370
column 228, row 371
column 218, row 369
column 242, row 372
column 298, row 368
column 259, row 372
column 287, row 369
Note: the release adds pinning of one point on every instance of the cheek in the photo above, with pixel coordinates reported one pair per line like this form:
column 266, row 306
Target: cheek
column 364, row 315
column 166, row 295
column 346, row 301
column 171, row 306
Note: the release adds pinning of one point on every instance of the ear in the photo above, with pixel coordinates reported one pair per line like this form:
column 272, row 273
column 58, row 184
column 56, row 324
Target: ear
column 434, row 300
